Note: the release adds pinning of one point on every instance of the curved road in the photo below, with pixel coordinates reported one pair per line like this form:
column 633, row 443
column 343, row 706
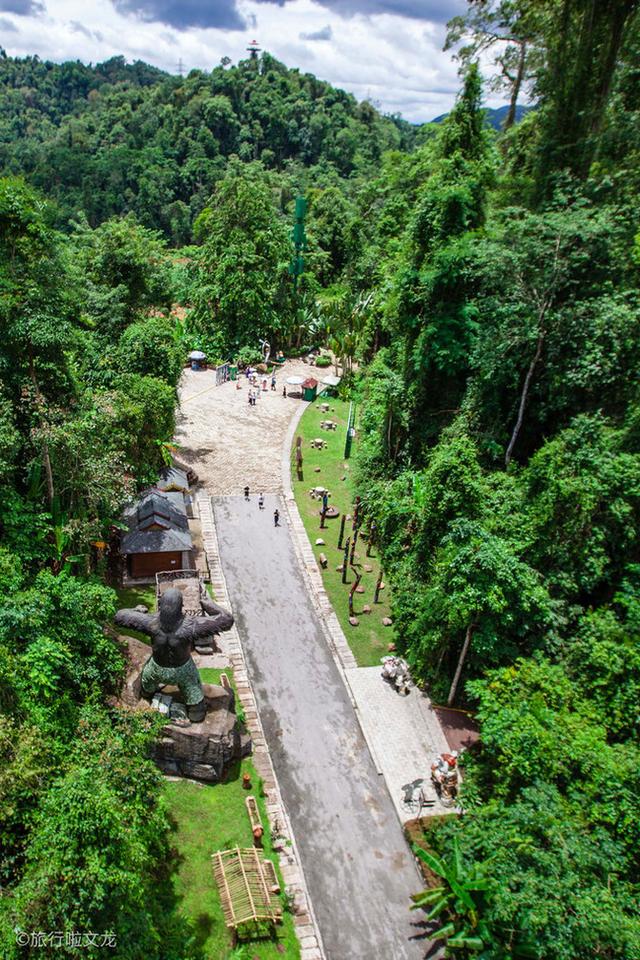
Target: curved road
column 359, row 871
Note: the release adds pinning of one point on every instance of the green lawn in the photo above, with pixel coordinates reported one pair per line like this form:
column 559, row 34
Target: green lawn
column 209, row 818
column 370, row 640
column 212, row 674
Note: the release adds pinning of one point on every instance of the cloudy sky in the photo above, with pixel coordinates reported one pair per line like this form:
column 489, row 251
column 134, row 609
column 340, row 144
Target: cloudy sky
column 388, row 51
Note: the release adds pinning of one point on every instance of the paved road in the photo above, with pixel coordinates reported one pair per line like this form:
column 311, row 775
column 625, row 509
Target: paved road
column 358, row 867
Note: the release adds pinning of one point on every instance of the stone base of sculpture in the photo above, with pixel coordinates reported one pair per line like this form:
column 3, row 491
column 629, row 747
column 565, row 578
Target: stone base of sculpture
column 198, row 750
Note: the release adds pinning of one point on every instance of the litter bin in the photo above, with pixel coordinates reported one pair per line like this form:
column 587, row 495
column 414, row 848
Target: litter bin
column 233, row 373
column 309, row 389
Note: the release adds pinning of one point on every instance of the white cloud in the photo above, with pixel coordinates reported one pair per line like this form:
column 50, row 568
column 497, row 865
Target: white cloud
column 394, row 60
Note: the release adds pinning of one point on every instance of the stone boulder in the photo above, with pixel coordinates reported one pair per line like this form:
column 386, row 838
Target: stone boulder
column 201, row 751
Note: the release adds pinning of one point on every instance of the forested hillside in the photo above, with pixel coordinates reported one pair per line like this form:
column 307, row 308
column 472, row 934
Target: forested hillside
column 481, row 292
column 119, row 138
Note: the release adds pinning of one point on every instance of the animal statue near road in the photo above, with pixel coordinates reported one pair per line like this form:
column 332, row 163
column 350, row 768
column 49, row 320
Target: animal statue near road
column 172, row 634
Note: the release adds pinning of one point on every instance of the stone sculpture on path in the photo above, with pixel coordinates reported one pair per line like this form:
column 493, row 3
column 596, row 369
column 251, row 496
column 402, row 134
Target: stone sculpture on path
column 172, row 634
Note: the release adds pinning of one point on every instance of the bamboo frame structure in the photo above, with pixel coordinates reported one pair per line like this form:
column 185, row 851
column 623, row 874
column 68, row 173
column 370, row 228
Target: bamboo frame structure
column 244, row 882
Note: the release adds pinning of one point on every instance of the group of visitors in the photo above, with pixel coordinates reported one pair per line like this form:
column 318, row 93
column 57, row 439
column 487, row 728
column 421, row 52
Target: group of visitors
column 255, row 387
column 276, row 512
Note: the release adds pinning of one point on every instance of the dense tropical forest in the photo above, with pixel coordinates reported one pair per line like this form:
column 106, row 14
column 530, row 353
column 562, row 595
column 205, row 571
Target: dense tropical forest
column 481, row 293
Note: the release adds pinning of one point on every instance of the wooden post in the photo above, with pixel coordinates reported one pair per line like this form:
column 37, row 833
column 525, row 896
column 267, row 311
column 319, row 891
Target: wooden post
column 342, row 520
column 356, row 513
column 378, row 585
column 299, row 460
column 353, row 590
column 353, row 545
column 372, row 533
column 345, row 561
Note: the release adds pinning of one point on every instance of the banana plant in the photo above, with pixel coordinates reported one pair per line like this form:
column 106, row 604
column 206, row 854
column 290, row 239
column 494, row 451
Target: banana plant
column 459, row 903
column 62, row 561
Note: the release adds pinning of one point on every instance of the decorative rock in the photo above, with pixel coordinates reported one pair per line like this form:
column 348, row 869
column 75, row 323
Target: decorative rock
column 319, row 542
column 339, row 568
column 366, row 608
column 343, row 478
column 391, row 647
column 354, row 621
column 316, row 469
column 387, row 621
column 348, row 517
column 359, row 589
column 382, row 586
column 368, row 568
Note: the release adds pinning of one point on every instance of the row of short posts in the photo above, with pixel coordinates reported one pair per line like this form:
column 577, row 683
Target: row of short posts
column 349, row 550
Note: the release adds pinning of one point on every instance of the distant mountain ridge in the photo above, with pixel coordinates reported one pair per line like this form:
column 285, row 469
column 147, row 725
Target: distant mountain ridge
column 495, row 115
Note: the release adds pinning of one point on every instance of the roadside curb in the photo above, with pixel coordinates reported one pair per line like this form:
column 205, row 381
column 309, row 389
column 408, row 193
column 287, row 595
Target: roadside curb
column 304, row 918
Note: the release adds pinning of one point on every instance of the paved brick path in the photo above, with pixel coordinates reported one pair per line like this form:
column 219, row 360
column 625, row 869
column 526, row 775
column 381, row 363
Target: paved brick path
column 227, row 442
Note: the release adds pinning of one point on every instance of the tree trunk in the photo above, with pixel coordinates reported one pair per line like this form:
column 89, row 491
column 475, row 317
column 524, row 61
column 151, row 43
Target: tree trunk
column 515, row 90
column 461, row 659
column 524, row 395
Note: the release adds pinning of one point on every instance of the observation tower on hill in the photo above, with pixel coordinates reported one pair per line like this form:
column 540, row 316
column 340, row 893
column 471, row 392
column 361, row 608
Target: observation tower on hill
column 253, row 49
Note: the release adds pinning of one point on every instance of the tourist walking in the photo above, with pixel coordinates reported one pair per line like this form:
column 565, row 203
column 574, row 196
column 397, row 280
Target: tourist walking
column 261, row 502
column 246, row 493
column 276, row 518
column 273, row 382
column 284, row 390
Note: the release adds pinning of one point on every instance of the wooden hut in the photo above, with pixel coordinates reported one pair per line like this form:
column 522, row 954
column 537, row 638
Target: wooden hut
column 158, row 537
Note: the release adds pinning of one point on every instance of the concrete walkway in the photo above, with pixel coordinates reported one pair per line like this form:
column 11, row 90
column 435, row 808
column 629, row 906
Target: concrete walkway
column 404, row 735
column 359, row 871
